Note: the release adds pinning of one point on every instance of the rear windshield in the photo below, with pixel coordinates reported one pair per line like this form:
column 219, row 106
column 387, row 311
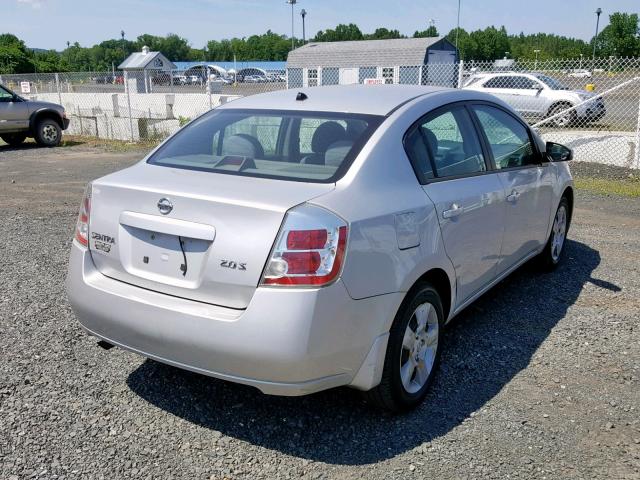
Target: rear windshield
column 288, row 145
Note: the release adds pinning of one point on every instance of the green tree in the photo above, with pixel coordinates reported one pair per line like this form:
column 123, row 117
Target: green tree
column 621, row 37
column 382, row 33
column 341, row 33
column 431, row 31
column 14, row 56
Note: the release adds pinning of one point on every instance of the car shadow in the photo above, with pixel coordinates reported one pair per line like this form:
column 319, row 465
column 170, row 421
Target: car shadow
column 485, row 347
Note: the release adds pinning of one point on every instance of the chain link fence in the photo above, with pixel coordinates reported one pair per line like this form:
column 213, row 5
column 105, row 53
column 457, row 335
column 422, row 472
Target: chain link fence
column 592, row 106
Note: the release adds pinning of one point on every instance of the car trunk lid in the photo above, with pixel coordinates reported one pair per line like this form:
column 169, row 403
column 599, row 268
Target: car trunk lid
column 213, row 240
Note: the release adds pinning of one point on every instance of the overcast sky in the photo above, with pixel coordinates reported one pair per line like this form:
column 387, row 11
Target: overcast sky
column 50, row 23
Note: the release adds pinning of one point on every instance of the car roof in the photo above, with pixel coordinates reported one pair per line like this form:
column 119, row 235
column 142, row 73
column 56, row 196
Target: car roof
column 362, row 99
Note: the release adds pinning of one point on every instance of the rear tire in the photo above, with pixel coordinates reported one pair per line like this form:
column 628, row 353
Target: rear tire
column 413, row 352
column 13, row 139
column 48, row 133
column 553, row 251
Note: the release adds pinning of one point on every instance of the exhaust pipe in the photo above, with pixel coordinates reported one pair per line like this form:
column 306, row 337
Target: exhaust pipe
column 104, row 345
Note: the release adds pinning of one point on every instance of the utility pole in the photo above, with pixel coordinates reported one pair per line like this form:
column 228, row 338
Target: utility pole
column 536, row 51
column 124, row 50
column 595, row 39
column 303, row 13
column 458, row 25
column 292, row 3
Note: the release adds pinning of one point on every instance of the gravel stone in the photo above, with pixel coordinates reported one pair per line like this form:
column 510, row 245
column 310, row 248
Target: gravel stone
column 539, row 378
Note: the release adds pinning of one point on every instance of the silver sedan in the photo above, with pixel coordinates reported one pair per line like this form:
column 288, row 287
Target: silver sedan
column 299, row 241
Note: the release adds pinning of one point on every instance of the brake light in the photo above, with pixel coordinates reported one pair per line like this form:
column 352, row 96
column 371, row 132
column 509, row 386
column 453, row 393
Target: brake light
column 309, row 250
column 82, row 225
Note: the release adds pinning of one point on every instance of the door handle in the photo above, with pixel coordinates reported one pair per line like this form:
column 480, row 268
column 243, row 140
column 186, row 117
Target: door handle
column 513, row 196
column 455, row 211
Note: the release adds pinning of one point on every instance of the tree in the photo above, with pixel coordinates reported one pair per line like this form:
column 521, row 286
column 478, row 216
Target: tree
column 14, row 56
column 621, row 37
column 341, row 33
column 382, row 33
column 431, row 31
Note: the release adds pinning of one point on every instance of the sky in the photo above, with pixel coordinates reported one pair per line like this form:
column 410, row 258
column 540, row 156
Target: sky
column 51, row 23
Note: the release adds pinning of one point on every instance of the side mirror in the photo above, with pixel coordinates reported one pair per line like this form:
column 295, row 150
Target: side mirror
column 558, row 152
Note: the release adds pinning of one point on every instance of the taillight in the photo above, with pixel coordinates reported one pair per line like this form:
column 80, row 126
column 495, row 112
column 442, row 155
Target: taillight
column 82, row 225
column 309, row 250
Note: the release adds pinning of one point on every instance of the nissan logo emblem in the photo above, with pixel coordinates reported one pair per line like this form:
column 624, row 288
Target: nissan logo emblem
column 165, row 206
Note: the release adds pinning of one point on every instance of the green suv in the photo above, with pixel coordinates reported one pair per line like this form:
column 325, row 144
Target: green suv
column 21, row 118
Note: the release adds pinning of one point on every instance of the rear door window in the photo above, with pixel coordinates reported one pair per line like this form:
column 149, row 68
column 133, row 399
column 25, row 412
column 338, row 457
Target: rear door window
column 445, row 144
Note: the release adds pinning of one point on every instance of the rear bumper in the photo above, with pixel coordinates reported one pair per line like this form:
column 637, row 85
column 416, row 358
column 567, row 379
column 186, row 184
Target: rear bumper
column 287, row 342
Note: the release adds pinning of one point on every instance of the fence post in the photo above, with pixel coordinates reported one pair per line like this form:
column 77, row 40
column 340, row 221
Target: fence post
column 637, row 162
column 460, row 73
column 128, row 91
column 58, row 89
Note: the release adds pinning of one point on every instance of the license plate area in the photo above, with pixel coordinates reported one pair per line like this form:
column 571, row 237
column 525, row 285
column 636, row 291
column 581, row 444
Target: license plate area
column 164, row 258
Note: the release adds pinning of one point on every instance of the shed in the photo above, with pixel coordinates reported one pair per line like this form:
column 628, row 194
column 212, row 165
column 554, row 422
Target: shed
column 141, row 67
column 418, row 61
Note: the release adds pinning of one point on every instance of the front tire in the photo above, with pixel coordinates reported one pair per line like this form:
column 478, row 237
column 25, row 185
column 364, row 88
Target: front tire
column 14, row 139
column 413, row 352
column 553, row 251
column 563, row 121
column 48, row 133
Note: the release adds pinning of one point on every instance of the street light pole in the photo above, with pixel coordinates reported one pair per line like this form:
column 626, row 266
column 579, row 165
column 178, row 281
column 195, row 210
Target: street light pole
column 292, row 3
column 595, row 39
column 536, row 65
column 303, row 13
column 124, row 50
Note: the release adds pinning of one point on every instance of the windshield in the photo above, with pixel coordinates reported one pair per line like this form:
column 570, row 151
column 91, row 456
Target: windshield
column 552, row 83
column 289, row 145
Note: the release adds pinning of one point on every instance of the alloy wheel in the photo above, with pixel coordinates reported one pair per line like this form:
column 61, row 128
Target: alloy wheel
column 419, row 347
column 559, row 233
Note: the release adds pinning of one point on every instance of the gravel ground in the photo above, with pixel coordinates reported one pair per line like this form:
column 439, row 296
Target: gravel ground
column 539, row 378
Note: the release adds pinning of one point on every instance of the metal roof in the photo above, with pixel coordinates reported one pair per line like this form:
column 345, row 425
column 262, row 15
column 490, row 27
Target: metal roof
column 368, row 99
column 151, row 60
column 361, row 53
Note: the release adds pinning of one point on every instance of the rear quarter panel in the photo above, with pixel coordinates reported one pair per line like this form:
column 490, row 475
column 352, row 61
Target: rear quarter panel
column 381, row 185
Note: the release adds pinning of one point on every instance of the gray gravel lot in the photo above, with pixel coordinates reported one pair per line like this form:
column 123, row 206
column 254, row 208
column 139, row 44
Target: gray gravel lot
column 539, row 378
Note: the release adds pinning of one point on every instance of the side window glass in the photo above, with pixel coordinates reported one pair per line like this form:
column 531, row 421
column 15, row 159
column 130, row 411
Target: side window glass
column 500, row 82
column 508, row 139
column 523, row 83
column 417, row 152
column 5, row 96
column 449, row 145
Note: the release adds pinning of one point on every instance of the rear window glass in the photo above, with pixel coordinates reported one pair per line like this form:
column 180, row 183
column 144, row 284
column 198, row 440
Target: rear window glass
column 302, row 146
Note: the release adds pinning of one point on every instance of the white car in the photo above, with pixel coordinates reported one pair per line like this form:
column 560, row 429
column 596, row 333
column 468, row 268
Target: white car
column 299, row 241
column 579, row 73
column 540, row 96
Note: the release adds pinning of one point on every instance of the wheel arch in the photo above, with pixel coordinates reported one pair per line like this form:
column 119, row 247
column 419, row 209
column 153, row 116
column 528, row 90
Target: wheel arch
column 564, row 103
column 41, row 114
column 440, row 280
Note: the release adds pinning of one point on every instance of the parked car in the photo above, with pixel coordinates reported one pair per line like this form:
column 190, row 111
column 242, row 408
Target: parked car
column 21, row 118
column 541, row 96
column 117, row 79
column 579, row 73
column 299, row 241
column 255, row 79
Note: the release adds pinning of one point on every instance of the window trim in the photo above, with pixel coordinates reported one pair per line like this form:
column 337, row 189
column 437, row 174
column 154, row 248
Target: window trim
column 485, row 140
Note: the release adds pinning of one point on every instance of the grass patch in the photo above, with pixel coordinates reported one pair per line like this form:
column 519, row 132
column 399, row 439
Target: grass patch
column 118, row 146
column 604, row 186
column 106, row 144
